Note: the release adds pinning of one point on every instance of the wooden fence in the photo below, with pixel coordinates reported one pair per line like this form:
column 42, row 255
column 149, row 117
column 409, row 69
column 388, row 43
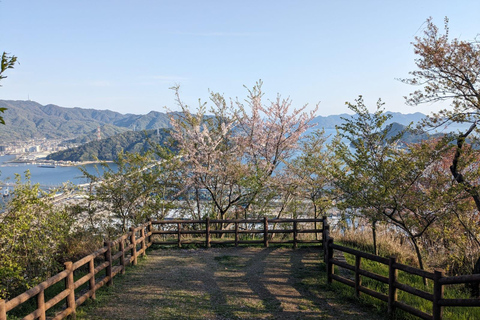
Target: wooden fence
column 241, row 231
column 392, row 281
column 115, row 256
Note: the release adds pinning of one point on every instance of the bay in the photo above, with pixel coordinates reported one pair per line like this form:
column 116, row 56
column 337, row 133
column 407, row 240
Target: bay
column 46, row 177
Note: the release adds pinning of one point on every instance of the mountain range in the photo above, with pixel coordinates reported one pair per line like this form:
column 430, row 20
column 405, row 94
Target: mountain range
column 28, row 119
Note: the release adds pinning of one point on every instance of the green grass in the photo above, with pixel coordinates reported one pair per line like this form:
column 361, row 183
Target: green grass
column 31, row 305
column 451, row 291
column 103, row 294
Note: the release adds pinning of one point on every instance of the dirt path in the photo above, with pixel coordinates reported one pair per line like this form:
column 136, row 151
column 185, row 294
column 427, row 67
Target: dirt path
column 225, row 283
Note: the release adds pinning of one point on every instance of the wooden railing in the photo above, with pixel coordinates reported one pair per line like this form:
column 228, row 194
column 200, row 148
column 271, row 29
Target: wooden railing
column 213, row 231
column 115, row 256
column 392, row 281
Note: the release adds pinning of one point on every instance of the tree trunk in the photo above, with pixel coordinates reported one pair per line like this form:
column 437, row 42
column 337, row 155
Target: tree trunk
column 374, row 236
column 458, row 176
column 419, row 256
column 197, row 199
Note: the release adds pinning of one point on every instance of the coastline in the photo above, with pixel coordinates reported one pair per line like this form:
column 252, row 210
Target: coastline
column 61, row 163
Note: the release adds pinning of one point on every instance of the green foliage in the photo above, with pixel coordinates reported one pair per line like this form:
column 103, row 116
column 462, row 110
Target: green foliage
column 451, row 291
column 28, row 119
column 108, row 149
column 128, row 192
column 367, row 173
column 313, row 169
column 32, row 234
column 7, row 62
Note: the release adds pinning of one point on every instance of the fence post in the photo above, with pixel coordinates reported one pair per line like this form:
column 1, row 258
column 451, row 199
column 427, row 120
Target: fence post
column 392, row 290
column 70, row 286
column 329, row 256
column 134, row 246
column 295, row 234
column 144, row 245
column 265, row 232
column 326, row 236
column 207, row 232
column 236, row 234
column 108, row 258
column 150, row 230
column 358, row 279
column 91, row 282
column 3, row 310
column 41, row 305
column 324, row 224
column 122, row 257
column 437, row 294
column 179, row 233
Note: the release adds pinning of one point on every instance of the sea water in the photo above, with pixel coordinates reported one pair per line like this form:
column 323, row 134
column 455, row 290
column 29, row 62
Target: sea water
column 46, row 177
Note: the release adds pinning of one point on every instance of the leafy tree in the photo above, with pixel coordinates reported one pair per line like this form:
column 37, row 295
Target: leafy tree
column 7, row 62
column 422, row 192
column 401, row 185
column 364, row 177
column 128, row 190
column 33, row 233
column 449, row 70
column 313, row 170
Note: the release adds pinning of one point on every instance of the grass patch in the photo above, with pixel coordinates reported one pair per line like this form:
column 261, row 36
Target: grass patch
column 451, row 291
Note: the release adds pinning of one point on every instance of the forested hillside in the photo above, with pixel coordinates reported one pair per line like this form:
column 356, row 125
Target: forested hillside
column 28, row 119
column 108, row 149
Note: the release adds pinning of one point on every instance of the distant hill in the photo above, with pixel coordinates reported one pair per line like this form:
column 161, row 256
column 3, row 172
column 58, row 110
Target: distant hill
column 107, row 149
column 409, row 136
column 28, row 119
column 329, row 122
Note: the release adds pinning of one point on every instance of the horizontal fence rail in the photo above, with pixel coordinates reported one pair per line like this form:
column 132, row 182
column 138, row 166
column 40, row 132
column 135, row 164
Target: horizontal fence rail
column 237, row 231
column 392, row 281
column 99, row 267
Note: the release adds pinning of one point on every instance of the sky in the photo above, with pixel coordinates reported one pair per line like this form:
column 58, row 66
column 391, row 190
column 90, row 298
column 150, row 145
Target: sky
column 126, row 55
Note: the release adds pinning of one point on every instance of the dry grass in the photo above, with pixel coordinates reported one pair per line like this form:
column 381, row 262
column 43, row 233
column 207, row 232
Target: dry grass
column 389, row 243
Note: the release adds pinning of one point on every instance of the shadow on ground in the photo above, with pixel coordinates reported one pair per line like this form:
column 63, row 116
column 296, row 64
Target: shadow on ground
column 225, row 283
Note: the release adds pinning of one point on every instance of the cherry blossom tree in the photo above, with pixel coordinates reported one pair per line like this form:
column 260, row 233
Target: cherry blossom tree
column 231, row 153
column 212, row 159
column 269, row 135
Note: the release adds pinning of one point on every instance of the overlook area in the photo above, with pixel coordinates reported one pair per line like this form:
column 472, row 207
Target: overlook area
column 225, row 283
column 243, row 205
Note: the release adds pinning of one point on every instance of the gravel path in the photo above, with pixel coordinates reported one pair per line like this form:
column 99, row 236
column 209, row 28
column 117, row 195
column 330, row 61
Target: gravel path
column 225, row 283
